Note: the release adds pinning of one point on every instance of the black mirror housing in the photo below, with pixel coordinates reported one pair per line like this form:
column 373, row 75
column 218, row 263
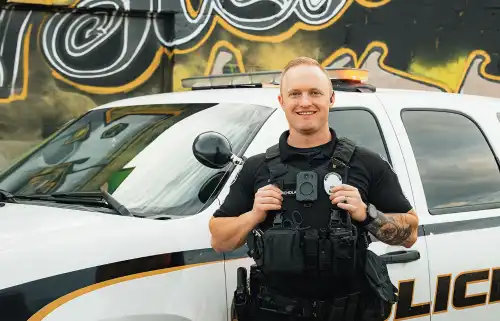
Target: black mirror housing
column 212, row 149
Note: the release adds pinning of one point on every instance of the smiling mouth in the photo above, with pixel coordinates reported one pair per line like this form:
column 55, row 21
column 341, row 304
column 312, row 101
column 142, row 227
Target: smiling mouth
column 305, row 113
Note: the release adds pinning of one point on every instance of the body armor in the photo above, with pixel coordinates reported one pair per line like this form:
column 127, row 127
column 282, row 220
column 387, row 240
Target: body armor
column 291, row 247
column 335, row 247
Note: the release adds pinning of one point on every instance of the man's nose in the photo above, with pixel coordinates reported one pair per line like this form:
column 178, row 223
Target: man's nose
column 305, row 100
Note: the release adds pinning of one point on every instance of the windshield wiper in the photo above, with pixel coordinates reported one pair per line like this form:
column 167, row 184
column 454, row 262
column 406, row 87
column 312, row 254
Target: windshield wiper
column 102, row 198
column 6, row 196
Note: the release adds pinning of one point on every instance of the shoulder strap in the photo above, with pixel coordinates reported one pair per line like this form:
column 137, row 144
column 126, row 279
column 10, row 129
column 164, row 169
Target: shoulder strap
column 276, row 169
column 272, row 152
column 342, row 156
column 343, row 152
column 274, row 164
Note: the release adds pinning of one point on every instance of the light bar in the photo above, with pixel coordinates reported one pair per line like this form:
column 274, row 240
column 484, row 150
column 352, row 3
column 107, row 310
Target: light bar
column 266, row 78
column 353, row 74
column 254, row 78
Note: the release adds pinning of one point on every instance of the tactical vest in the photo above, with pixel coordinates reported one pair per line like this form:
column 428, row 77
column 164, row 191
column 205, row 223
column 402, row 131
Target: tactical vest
column 290, row 247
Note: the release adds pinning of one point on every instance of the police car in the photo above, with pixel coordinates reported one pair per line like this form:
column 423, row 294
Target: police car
column 107, row 220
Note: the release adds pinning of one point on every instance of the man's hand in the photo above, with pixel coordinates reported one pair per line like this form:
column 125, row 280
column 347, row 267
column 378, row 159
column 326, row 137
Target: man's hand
column 229, row 233
column 348, row 198
column 267, row 198
column 392, row 229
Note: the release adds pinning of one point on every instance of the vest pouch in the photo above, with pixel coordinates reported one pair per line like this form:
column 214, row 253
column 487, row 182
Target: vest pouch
column 311, row 238
column 378, row 277
column 344, row 252
column 283, row 252
column 325, row 252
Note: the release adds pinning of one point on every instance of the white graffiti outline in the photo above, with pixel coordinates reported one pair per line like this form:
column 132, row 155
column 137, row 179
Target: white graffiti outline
column 2, row 65
column 81, row 21
column 98, row 29
column 315, row 6
column 125, row 6
column 244, row 3
column 61, row 67
column 193, row 34
column 317, row 17
column 2, row 73
column 288, row 7
column 285, row 13
column 19, row 50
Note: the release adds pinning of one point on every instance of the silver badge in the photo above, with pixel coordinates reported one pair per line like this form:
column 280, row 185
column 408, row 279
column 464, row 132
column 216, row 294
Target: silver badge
column 331, row 180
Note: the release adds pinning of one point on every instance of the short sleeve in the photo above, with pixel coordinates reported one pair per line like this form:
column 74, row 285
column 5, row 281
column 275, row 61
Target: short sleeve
column 385, row 191
column 241, row 194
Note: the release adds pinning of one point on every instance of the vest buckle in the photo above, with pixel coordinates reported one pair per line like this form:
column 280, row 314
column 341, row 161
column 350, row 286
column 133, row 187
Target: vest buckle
column 278, row 219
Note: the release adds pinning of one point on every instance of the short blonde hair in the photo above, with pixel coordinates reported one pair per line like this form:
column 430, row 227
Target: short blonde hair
column 304, row 61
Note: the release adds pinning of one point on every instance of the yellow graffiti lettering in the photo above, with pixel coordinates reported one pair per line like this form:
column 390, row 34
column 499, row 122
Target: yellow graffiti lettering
column 193, row 13
column 373, row 3
column 220, row 44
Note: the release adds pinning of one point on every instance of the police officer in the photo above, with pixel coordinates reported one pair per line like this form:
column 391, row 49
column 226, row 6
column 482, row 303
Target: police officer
column 305, row 207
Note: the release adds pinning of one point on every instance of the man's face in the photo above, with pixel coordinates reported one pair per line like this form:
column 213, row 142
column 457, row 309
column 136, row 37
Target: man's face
column 305, row 98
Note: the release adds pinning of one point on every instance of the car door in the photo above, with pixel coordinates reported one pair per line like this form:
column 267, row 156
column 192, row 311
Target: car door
column 361, row 117
column 451, row 149
column 366, row 122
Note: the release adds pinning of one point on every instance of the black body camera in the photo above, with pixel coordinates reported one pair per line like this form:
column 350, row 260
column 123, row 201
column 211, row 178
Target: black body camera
column 307, row 187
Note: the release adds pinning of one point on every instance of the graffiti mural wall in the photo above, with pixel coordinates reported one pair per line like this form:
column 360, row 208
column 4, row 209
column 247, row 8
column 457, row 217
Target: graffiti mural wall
column 60, row 58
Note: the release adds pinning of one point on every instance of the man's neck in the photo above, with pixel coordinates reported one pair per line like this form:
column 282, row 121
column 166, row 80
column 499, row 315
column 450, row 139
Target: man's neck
column 299, row 140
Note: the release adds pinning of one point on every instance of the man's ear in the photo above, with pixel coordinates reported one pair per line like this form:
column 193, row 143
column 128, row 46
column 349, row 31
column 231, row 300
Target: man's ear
column 280, row 99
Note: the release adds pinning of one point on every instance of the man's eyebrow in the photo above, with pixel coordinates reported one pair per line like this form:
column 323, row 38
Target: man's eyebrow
column 314, row 88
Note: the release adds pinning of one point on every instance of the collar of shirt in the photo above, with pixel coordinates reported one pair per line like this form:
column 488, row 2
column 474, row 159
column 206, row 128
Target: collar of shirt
column 321, row 152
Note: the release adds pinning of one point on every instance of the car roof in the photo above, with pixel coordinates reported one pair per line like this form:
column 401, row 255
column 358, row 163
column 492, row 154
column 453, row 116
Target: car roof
column 263, row 96
column 398, row 98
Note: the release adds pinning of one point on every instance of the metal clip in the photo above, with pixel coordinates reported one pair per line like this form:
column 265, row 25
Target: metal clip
column 337, row 162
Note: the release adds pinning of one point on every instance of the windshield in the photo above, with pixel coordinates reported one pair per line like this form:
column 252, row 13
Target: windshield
column 140, row 154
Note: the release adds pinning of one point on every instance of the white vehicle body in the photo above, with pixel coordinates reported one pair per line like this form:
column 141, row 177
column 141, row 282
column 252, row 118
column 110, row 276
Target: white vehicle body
column 60, row 263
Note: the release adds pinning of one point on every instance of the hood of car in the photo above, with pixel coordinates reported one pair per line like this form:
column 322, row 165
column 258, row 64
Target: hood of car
column 38, row 241
column 30, row 225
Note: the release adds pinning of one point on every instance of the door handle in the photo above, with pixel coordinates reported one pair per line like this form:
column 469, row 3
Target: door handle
column 400, row 256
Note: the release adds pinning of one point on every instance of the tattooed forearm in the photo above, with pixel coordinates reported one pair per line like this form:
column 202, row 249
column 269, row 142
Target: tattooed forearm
column 391, row 229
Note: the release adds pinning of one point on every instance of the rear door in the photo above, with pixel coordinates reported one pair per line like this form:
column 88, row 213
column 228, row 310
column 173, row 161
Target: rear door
column 364, row 120
column 451, row 149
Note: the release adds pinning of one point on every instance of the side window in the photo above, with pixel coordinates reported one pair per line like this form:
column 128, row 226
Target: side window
column 361, row 126
column 458, row 169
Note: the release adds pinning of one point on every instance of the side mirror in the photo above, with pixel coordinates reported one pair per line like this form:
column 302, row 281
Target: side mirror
column 214, row 150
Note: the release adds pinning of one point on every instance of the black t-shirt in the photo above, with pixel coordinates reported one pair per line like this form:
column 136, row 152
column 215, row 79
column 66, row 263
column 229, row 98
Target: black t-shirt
column 369, row 173
column 373, row 176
